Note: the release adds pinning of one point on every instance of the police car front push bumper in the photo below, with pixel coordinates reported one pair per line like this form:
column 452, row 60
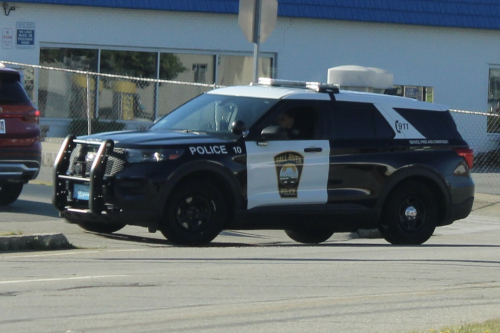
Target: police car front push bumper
column 64, row 198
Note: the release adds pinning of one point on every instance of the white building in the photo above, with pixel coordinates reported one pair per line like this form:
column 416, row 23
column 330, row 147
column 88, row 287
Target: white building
column 452, row 48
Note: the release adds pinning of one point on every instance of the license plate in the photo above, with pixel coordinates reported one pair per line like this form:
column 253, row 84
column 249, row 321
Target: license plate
column 2, row 126
column 81, row 192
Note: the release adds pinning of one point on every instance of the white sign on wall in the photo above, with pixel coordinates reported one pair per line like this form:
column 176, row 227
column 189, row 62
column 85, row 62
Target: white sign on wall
column 25, row 35
column 7, row 38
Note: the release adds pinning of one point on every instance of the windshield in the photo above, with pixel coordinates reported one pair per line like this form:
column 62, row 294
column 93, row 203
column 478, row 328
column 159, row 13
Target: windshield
column 215, row 113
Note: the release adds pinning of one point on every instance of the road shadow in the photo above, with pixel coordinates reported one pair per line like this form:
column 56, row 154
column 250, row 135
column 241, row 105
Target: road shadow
column 268, row 242
column 283, row 260
column 150, row 240
column 166, row 242
column 30, row 207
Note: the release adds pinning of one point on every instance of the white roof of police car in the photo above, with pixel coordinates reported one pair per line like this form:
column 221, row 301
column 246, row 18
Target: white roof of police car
column 274, row 92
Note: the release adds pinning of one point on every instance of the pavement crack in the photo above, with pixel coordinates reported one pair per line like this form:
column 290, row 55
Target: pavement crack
column 125, row 285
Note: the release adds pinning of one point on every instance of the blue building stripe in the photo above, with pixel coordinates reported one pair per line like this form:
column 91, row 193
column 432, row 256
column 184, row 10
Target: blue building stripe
column 477, row 14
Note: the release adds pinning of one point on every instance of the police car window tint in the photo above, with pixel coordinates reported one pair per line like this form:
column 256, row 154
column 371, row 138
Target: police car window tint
column 351, row 121
column 307, row 118
column 299, row 122
column 215, row 113
column 12, row 93
column 431, row 124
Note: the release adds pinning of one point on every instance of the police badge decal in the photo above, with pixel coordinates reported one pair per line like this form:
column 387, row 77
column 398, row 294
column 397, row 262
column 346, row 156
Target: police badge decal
column 289, row 166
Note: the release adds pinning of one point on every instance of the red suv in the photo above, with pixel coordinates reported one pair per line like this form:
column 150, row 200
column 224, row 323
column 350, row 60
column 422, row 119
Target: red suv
column 20, row 147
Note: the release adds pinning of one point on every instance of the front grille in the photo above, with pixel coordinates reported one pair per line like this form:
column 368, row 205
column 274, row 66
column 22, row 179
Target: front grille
column 115, row 164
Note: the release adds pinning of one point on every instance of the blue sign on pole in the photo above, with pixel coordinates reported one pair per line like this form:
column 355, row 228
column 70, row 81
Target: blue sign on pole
column 25, row 34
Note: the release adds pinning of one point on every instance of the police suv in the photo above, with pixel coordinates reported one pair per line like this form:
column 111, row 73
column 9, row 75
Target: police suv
column 222, row 161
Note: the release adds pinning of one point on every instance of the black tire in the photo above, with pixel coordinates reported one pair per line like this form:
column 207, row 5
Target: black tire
column 103, row 228
column 410, row 215
column 9, row 192
column 310, row 235
column 195, row 214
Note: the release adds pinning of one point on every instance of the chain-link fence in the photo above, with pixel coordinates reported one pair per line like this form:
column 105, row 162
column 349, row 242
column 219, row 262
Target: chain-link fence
column 80, row 102
column 482, row 131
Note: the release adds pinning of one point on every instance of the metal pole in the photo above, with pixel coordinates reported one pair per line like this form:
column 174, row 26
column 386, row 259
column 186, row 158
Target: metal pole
column 157, row 87
column 216, row 69
column 255, row 63
column 89, row 100
column 256, row 37
column 97, row 84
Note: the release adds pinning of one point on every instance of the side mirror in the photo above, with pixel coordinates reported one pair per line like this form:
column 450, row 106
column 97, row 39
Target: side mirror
column 238, row 127
column 274, row 132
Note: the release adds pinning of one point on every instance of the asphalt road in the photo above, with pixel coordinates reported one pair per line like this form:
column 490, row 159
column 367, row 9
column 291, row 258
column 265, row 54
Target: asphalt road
column 249, row 281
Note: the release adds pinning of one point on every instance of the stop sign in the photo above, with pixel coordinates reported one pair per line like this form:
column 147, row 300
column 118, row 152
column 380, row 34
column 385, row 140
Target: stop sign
column 251, row 12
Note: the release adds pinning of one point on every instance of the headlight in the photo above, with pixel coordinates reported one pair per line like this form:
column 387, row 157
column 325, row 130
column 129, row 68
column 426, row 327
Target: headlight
column 152, row 155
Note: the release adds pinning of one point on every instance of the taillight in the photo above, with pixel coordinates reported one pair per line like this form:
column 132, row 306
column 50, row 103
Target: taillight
column 467, row 154
column 32, row 116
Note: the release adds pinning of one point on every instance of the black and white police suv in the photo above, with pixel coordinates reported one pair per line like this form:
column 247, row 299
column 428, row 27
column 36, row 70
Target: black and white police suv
column 232, row 159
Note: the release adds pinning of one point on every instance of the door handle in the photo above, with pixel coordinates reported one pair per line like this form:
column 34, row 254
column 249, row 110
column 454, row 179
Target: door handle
column 313, row 150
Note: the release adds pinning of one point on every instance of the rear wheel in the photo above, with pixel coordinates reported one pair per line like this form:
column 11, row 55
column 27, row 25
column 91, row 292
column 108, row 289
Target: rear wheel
column 410, row 215
column 103, row 228
column 310, row 235
column 195, row 214
column 9, row 192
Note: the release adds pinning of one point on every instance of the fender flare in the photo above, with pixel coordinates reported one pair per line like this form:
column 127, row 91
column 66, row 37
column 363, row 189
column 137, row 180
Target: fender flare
column 422, row 172
column 184, row 170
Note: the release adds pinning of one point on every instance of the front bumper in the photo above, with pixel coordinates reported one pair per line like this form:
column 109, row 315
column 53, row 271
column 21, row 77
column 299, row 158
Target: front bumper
column 104, row 199
column 18, row 171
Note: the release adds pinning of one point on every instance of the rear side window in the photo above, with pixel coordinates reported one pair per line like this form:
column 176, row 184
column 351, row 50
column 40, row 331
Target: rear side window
column 358, row 121
column 433, row 125
column 12, row 92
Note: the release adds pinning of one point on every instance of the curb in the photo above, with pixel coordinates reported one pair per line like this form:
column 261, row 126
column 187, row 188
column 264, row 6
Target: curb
column 40, row 242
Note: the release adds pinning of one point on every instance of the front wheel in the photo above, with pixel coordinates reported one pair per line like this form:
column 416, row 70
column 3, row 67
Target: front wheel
column 195, row 214
column 410, row 215
column 9, row 192
column 310, row 235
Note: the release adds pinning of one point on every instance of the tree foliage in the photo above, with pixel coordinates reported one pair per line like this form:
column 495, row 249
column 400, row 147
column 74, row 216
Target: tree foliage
column 140, row 64
column 127, row 63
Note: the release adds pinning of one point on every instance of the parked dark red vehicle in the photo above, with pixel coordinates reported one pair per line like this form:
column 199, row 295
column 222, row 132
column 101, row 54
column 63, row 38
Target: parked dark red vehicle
column 20, row 147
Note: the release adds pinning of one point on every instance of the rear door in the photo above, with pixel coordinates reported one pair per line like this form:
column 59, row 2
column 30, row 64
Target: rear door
column 363, row 153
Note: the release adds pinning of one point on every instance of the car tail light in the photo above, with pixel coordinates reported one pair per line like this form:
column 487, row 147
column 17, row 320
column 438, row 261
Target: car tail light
column 467, row 154
column 32, row 116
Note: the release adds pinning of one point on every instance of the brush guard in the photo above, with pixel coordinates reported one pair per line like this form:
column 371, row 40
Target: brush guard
column 63, row 196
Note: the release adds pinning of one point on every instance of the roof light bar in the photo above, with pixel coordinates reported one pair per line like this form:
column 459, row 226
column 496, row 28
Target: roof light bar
column 281, row 83
column 323, row 87
column 316, row 86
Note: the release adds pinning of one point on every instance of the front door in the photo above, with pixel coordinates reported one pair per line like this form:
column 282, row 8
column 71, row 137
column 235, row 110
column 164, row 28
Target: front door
column 287, row 173
column 292, row 170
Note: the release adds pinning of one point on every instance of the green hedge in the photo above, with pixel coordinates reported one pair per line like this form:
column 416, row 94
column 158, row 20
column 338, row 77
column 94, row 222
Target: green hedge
column 80, row 126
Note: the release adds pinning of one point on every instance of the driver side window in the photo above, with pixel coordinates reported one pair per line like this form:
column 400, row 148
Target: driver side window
column 299, row 122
